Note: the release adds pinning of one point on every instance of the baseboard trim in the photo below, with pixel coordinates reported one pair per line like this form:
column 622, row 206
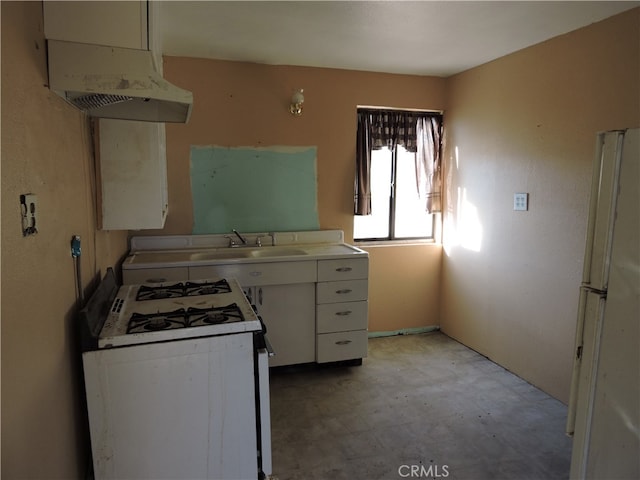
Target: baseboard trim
column 405, row 331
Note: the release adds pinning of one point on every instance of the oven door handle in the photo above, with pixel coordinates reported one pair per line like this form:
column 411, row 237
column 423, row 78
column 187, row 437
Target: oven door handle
column 267, row 344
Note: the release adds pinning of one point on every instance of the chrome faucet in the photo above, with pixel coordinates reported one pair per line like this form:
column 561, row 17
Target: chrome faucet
column 242, row 239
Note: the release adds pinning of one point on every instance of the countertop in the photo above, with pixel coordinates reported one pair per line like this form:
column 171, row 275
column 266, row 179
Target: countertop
column 248, row 254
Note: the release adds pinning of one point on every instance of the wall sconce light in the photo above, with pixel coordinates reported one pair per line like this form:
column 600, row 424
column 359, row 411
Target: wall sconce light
column 296, row 103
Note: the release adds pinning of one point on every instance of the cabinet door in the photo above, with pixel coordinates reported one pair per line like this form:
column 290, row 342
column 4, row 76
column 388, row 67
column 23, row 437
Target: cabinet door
column 133, row 174
column 288, row 312
column 116, row 24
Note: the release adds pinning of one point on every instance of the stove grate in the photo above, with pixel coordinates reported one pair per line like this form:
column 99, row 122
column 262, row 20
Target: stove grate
column 188, row 289
column 181, row 318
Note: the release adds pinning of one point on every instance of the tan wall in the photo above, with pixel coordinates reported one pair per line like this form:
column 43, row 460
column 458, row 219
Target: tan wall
column 522, row 123
column 527, row 123
column 242, row 104
column 45, row 151
column 404, row 287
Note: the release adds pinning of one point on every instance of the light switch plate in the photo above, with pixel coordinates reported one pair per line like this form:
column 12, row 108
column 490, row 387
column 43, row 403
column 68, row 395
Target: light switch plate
column 521, row 201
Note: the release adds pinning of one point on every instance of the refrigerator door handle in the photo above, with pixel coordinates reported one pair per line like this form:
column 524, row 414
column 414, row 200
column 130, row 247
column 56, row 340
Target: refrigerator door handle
column 596, row 291
column 602, row 207
column 577, row 360
column 591, row 313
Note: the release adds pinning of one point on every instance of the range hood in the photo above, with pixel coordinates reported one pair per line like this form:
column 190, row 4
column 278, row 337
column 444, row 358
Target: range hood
column 114, row 82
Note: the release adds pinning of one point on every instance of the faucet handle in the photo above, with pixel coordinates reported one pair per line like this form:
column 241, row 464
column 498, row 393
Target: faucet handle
column 232, row 242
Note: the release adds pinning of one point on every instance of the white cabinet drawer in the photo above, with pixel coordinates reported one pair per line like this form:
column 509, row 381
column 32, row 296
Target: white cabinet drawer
column 342, row 269
column 346, row 291
column 254, row 274
column 155, row 275
column 341, row 317
column 333, row 347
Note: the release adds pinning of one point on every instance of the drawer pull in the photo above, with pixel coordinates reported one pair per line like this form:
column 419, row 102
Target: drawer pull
column 343, row 291
column 343, row 342
column 342, row 314
column 344, row 269
column 255, row 274
column 155, row 280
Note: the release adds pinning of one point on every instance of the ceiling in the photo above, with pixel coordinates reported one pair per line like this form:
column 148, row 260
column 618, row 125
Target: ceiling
column 438, row 38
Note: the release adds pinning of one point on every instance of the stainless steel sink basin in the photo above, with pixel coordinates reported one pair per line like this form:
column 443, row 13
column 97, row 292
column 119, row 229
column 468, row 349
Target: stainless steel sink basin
column 275, row 252
column 246, row 252
column 221, row 254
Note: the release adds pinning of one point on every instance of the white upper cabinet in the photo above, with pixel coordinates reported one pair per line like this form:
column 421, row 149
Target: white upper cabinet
column 133, row 174
column 132, row 156
column 112, row 23
column 127, row 24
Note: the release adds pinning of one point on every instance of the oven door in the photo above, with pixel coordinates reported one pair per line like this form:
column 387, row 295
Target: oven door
column 179, row 409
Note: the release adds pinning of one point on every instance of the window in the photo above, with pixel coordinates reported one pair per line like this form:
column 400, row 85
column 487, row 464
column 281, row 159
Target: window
column 396, row 213
column 398, row 169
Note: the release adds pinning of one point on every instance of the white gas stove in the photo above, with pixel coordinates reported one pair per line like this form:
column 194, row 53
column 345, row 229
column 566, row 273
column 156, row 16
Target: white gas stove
column 172, row 311
column 177, row 381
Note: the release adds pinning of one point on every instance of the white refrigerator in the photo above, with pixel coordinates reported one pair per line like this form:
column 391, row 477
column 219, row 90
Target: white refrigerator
column 604, row 408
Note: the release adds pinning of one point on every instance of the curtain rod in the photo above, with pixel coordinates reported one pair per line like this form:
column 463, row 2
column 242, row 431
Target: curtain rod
column 420, row 110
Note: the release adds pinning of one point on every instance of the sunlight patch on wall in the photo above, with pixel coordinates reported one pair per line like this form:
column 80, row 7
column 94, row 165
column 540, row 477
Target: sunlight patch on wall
column 462, row 225
column 469, row 226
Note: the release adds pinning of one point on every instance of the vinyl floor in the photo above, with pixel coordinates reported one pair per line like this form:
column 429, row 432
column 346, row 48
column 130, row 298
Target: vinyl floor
column 420, row 406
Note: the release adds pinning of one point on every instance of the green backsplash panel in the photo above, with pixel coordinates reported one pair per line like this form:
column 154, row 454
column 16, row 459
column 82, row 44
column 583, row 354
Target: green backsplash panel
column 253, row 189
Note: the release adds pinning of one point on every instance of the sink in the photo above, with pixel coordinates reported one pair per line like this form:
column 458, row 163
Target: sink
column 332, row 249
column 246, row 252
column 221, row 254
column 256, row 252
column 275, row 252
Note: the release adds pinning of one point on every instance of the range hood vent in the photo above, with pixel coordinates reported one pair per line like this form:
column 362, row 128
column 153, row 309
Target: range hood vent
column 97, row 100
column 114, row 82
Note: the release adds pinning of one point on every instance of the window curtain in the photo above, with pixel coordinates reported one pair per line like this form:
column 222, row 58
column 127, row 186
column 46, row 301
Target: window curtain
column 391, row 128
column 362, row 200
column 428, row 162
column 414, row 131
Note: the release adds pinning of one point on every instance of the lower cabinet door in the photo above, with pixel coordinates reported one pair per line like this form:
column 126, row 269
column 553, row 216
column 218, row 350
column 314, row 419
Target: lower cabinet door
column 288, row 312
column 333, row 347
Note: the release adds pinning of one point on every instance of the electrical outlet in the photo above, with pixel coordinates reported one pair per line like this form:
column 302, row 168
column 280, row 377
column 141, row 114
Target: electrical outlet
column 521, row 201
column 29, row 211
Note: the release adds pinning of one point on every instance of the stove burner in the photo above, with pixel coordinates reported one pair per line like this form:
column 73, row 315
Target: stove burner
column 190, row 289
column 207, row 288
column 213, row 317
column 160, row 294
column 139, row 322
column 197, row 317
column 159, row 323
column 148, row 292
